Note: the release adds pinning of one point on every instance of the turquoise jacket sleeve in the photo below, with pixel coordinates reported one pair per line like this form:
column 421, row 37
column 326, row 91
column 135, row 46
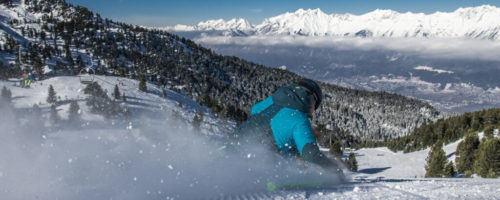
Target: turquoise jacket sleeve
column 260, row 106
column 302, row 134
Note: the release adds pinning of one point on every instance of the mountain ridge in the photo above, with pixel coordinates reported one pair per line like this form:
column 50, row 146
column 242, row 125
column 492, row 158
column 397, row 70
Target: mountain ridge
column 471, row 22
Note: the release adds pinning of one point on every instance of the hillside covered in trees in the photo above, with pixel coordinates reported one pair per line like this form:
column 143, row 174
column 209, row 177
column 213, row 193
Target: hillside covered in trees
column 54, row 38
column 445, row 131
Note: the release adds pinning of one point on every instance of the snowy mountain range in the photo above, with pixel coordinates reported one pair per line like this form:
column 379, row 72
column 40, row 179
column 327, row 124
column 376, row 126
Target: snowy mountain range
column 473, row 22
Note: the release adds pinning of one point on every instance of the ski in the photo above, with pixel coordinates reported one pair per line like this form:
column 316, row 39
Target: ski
column 271, row 186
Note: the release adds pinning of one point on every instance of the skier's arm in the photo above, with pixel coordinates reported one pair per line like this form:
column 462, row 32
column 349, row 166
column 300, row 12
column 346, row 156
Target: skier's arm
column 306, row 144
column 312, row 154
column 260, row 106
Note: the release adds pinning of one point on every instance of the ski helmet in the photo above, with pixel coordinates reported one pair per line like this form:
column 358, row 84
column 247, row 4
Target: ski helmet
column 314, row 88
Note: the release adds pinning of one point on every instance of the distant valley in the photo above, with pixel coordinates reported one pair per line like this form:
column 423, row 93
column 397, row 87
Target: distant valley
column 447, row 59
column 450, row 84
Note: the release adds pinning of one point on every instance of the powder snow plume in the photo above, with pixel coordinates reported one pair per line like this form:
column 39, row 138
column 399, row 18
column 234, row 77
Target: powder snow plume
column 144, row 158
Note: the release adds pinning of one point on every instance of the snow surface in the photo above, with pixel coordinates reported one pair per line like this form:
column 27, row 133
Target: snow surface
column 380, row 162
column 157, row 154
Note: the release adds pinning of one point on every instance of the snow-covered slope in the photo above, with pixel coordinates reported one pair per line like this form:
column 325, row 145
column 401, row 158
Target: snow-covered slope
column 384, row 163
column 152, row 155
column 473, row 22
column 383, row 174
column 70, row 88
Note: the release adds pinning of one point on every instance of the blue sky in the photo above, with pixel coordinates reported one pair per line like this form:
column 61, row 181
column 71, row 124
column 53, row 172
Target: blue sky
column 190, row 12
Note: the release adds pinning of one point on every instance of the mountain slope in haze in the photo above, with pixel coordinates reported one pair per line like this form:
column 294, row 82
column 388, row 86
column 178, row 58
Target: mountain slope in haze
column 473, row 22
column 54, row 38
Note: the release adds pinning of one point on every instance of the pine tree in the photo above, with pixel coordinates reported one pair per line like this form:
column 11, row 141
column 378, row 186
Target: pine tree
column 164, row 92
column 449, row 170
column 69, row 59
column 142, row 85
column 335, row 149
column 35, row 117
column 51, row 98
column 54, row 117
column 74, row 112
column 200, row 113
column 205, row 100
column 488, row 132
column 116, row 92
column 38, row 66
column 215, row 106
column 488, row 158
column 198, row 119
column 492, row 174
column 466, row 153
column 58, row 67
column 36, row 111
column 224, row 112
column 79, row 63
column 6, row 95
column 124, row 98
column 353, row 164
column 4, row 71
column 100, row 103
column 436, row 161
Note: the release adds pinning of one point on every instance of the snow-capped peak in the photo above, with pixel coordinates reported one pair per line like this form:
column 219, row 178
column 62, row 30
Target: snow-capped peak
column 220, row 24
column 215, row 25
column 301, row 22
column 479, row 22
column 382, row 14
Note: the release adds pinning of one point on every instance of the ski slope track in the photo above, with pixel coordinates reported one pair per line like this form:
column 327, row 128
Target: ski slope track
column 155, row 153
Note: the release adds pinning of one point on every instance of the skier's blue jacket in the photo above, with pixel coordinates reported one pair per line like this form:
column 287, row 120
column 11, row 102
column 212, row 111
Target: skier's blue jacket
column 283, row 118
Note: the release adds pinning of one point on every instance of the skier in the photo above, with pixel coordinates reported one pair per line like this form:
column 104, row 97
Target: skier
column 24, row 79
column 281, row 122
column 28, row 78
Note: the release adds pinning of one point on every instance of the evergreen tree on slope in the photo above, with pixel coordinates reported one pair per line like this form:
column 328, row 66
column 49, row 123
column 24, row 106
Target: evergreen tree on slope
column 436, row 161
column 74, row 112
column 487, row 164
column 353, row 163
column 335, row 149
column 465, row 153
column 51, row 98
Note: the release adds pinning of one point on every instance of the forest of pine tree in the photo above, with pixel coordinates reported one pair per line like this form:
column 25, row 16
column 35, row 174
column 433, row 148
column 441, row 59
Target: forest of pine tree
column 487, row 159
column 447, row 130
column 473, row 156
column 100, row 103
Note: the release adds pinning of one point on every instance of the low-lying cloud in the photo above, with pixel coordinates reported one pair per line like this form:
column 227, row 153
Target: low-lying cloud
column 426, row 47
